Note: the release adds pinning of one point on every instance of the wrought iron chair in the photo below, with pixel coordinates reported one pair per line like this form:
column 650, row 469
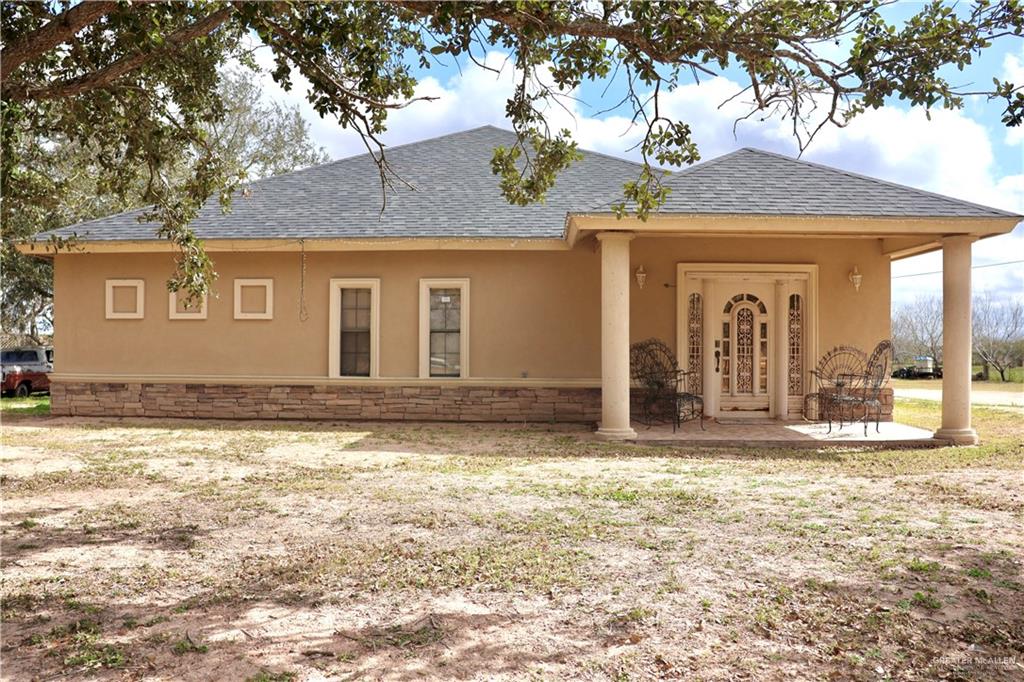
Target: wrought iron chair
column 882, row 354
column 867, row 396
column 839, row 372
column 665, row 391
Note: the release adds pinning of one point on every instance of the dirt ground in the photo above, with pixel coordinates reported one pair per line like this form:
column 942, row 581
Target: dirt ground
column 177, row 550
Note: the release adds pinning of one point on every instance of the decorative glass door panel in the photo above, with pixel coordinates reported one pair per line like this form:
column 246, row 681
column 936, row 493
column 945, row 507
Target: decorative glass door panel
column 795, row 375
column 695, row 343
column 744, row 348
column 744, row 351
column 751, row 333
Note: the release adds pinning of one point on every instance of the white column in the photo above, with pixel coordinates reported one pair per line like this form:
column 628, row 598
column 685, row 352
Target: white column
column 712, row 326
column 615, row 277
column 956, row 342
column 780, row 352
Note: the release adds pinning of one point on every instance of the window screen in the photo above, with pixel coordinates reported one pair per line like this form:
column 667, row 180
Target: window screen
column 445, row 332
column 355, row 332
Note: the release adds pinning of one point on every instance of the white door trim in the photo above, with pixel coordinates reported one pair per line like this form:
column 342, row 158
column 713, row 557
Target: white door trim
column 693, row 277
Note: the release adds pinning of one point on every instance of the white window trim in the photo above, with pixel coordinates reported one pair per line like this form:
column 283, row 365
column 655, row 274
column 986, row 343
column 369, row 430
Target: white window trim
column 174, row 314
column 334, row 324
column 268, row 285
column 140, row 299
column 461, row 283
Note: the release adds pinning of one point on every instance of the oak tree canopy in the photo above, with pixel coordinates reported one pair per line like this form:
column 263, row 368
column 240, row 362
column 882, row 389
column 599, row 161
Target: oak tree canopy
column 137, row 83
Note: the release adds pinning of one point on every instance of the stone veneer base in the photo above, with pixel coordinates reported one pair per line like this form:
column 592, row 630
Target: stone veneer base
column 266, row 401
column 257, row 401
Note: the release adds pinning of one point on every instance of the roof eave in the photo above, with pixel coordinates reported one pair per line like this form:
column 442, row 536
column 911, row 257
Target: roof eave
column 794, row 224
column 292, row 245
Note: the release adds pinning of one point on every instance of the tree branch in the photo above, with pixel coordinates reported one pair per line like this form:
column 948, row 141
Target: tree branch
column 59, row 29
column 296, row 58
column 110, row 73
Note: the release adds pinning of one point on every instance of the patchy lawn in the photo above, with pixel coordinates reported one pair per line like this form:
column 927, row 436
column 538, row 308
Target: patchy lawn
column 192, row 550
column 37, row 405
column 980, row 386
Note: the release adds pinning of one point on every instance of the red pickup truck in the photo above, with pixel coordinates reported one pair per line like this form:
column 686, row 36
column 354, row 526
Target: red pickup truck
column 26, row 370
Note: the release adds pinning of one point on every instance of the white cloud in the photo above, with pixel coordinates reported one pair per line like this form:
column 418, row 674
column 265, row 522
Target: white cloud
column 1013, row 71
column 472, row 99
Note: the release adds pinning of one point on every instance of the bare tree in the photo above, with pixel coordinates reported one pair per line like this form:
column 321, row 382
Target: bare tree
column 917, row 328
column 998, row 331
column 902, row 340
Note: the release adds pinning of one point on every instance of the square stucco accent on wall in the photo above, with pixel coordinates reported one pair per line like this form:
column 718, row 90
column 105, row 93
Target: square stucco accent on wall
column 115, row 292
column 177, row 310
column 243, row 289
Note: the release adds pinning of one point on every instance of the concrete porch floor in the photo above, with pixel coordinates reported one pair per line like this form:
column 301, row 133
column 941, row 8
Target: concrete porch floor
column 772, row 433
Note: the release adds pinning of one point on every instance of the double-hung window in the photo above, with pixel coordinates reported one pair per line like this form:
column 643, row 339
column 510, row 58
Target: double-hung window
column 355, row 332
column 354, row 328
column 444, row 328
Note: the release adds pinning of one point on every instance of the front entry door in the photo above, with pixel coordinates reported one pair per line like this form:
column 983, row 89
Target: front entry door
column 744, row 346
column 745, row 332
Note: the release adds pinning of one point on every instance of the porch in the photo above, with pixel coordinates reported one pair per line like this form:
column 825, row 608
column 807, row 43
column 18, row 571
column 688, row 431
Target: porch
column 769, row 433
column 751, row 331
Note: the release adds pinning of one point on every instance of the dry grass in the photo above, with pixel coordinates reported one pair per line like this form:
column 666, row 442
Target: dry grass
column 1014, row 385
column 259, row 551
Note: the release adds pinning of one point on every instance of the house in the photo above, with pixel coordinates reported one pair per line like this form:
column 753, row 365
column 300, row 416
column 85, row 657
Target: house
column 452, row 304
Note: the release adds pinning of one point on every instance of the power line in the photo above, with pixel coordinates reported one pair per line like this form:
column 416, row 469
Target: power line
column 973, row 267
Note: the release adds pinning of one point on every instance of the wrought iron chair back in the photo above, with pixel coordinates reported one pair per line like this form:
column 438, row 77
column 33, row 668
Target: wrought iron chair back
column 838, row 362
column 881, row 358
column 654, row 369
column 838, row 371
column 869, row 397
column 653, row 365
column 848, row 379
column 875, row 380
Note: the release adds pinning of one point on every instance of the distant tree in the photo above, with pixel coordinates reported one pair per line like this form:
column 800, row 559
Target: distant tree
column 903, row 349
column 137, row 81
column 260, row 138
column 68, row 185
column 917, row 328
column 998, row 335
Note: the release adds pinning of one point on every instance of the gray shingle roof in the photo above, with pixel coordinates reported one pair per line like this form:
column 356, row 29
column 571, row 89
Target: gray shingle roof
column 755, row 182
column 455, row 195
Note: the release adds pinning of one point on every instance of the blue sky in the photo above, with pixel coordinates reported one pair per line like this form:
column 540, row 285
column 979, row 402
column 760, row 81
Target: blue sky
column 966, row 154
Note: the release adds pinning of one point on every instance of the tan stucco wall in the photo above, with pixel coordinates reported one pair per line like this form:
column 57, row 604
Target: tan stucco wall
column 845, row 316
column 536, row 312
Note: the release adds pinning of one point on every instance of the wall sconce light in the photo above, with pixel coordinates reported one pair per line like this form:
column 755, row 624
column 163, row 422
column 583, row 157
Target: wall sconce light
column 856, row 278
column 641, row 277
